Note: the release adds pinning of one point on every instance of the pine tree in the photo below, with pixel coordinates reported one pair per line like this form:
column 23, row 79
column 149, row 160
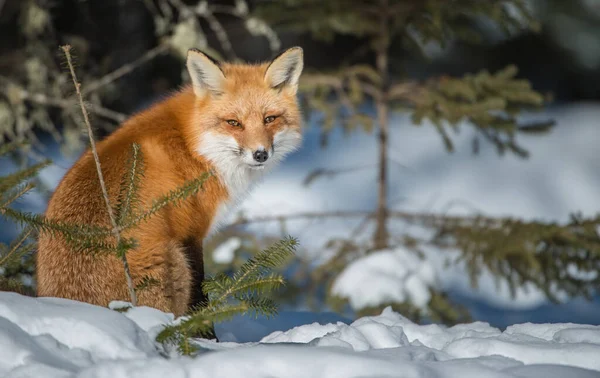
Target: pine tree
column 516, row 251
column 16, row 257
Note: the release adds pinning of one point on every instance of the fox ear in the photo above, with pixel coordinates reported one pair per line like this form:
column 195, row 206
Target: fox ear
column 207, row 77
column 285, row 69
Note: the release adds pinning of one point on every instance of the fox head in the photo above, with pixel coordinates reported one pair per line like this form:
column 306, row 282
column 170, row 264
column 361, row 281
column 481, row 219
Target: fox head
column 247, row 115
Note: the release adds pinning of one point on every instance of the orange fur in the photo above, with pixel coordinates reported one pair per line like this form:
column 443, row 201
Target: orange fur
column 170, row 243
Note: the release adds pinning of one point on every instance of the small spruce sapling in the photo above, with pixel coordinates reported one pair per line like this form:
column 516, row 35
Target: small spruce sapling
column 245, row 292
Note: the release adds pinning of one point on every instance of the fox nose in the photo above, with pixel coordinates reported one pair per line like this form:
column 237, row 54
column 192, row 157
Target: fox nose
column 261, row 156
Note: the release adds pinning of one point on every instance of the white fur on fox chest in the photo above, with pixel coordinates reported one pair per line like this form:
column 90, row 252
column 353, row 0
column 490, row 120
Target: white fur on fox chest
column 236, row 195
column 234, row 175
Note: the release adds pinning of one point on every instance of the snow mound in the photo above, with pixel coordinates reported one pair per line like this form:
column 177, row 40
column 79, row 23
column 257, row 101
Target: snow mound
column 386, row 276
column 46, row 333
column 48, row 337
column 225, row 252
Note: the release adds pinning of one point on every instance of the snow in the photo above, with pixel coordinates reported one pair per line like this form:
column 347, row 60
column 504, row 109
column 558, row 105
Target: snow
column 386, row 276
column 225, row 252
column 50, row 337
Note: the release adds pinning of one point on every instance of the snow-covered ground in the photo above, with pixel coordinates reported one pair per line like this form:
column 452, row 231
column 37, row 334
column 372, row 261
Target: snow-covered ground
column 57, row 338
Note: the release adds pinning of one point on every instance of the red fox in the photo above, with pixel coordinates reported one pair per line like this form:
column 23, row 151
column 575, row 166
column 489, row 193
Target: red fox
column 237, row 120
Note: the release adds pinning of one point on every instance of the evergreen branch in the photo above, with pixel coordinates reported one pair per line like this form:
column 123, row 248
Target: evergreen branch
column 216, row 285
column 229, row 296
column 174, row 197
column 269, row 258
column 147, row 282
column 200, row 322
column 257, row 285
column 203, row 319
column 16, row 249
column 264, row 306
column 13, row 285
column 220, row 313
column 14, row 179
column 178, row 336
column 66, row 49
column 90, row 244
column 168, row 334
column 41, row 223
column 250, row 271
column 81, row 237
column 13, row 195
column 128, row 191
column 530, row 252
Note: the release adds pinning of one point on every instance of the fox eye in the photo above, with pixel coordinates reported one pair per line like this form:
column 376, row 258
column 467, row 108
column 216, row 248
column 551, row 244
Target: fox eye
column 233, row 122
column 270, row 119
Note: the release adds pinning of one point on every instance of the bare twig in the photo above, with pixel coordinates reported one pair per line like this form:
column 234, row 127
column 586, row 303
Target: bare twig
column 232, row 11
column 331, row 172
column 42, row 99
column 423, row 218
column 125, row 69
column 204, row 11
column 66, row 49
column 220, row 33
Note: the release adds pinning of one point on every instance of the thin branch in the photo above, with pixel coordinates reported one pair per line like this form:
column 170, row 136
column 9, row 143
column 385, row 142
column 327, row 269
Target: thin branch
column 42, row 99
column 233, row 11
column 331, row 172
column 125, row 69
column 371, row 90
column 220, row 33
column 204, row 11
column 426, row 218
column 66, row 49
